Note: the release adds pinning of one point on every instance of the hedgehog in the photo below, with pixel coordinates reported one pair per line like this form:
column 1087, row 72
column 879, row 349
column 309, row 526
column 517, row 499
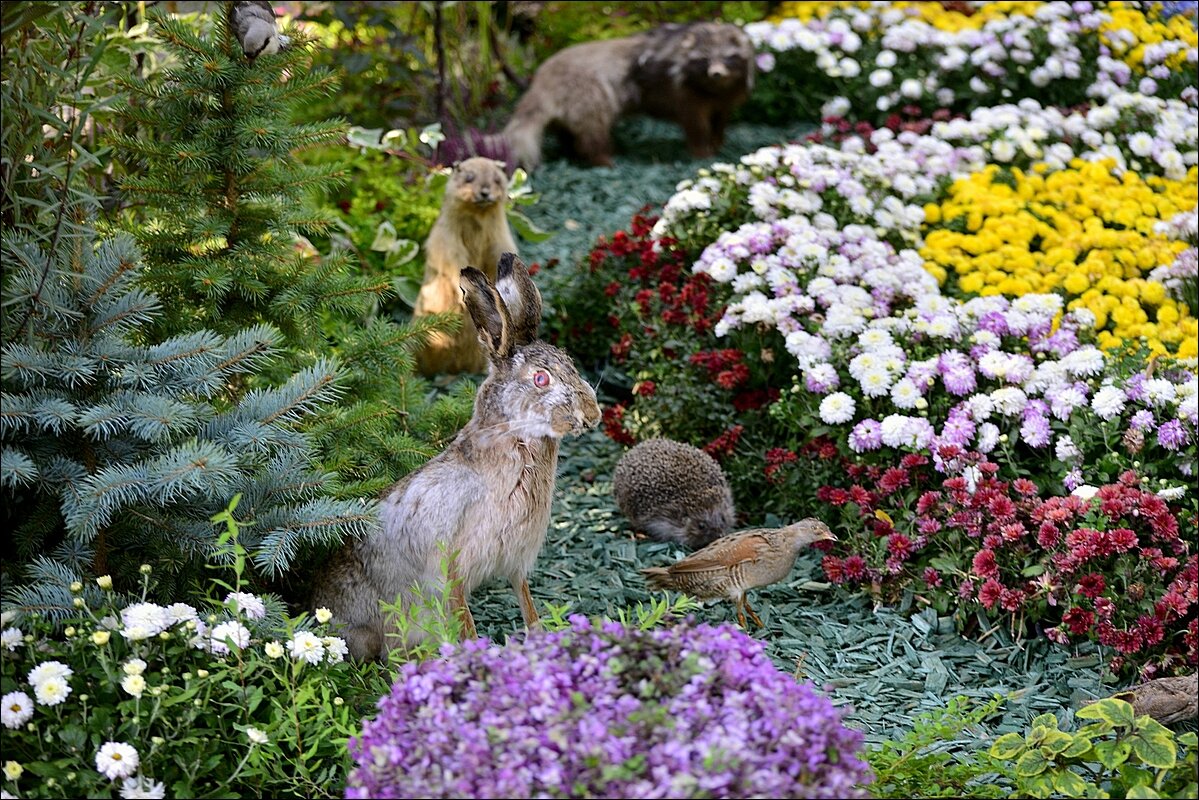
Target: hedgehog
column 674, row 492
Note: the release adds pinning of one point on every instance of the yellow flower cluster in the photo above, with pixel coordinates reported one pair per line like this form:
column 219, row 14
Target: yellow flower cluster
column 1145, row 30
column 1083, row 232
column 935, row 14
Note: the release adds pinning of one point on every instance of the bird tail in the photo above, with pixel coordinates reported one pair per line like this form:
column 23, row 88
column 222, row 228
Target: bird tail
column 657, row 577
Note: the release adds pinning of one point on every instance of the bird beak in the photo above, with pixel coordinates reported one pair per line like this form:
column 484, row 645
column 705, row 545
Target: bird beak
column 828, row 537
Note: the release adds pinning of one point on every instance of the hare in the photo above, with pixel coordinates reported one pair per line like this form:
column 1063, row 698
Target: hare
column 485, row 500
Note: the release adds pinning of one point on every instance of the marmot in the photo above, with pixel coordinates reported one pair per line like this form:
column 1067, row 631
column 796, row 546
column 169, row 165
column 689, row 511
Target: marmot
column 674, row 492
column 693, row 74
column 471, row 231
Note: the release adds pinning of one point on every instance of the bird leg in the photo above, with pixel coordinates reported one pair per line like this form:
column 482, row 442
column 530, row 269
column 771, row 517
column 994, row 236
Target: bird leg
column 740, row 602
column 752, row 615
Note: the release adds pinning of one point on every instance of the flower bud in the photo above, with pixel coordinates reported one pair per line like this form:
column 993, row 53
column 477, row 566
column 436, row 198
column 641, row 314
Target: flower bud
column 104, row 582
column 144, row 569
column 76, row 587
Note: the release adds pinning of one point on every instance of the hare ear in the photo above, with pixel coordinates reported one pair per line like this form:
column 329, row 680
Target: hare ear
column 521, row 297
column 487, row 311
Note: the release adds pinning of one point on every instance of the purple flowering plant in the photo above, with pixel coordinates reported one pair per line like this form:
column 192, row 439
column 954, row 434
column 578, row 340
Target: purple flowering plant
column 601, row 709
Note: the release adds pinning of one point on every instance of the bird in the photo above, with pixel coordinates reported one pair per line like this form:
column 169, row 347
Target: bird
column 253, row 22
column 740, row 561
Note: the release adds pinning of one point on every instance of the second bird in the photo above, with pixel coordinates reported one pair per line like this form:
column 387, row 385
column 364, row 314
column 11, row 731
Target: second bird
column 738, row 562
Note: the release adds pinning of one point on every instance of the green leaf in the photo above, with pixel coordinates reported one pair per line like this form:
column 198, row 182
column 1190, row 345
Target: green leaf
column 400, row 253
column 525, row 228
column 385, row 237
column 1037, row 785
column 1112, row 754
column 1141, row 791
column 1110, row 709
column 1189, row 740
column 1033, row 570
column 1154, row 746
column 1056, row 742
column 1033, row 762
column 407, row 287
column 1069, row 784
column 1008, row 746
column 1045, row 721
column 1079, row 747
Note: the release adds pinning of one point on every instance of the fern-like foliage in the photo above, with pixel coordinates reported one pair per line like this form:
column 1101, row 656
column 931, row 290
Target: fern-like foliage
column 115, row 452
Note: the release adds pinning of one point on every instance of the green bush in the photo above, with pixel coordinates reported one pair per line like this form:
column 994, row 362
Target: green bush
column 1117, row 755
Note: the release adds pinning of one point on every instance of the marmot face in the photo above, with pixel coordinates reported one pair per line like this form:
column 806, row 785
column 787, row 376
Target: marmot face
column 478, row 182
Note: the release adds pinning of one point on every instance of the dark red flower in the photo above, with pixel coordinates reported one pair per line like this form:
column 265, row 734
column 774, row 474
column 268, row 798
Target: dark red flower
column 983, row 564
column 990, row 593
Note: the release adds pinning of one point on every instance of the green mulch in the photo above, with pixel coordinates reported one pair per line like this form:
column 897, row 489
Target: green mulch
column 887, row 665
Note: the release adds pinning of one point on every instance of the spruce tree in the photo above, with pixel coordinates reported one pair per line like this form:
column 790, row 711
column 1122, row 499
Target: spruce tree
column 117, row 452
column 219, row 194
column 223, row 203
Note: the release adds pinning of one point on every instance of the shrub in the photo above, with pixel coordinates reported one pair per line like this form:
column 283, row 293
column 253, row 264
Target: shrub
column 1115, row 756
column 134, row 699
column 929, row 761
column 605, row 711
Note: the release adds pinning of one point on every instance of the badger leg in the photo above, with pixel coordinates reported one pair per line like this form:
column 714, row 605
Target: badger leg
column 594, row 146
column 697, row 127
column 527, row 609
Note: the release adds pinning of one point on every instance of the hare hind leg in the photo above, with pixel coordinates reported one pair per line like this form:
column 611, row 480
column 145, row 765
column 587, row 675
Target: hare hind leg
column 459, row 606
column 527, row 609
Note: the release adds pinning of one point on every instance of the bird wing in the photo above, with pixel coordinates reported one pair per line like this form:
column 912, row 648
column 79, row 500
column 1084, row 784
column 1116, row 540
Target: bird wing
column 725, row 552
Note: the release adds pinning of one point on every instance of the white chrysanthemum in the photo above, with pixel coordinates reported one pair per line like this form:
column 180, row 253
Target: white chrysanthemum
column 1086, row 361
column 875, row 339
column 134, row 684
column 273, row 649
column 837, row 408
column 905, row 394
column 1108, row 402
column 1086, row 491
column 52, row 691
column 1065, row 449
column 134, row 666
column 117, row 760
column 247, row 604
column 15, row 709
column 1159, row 391
column 1140, row 144
column 47, row 670
column 980, row 407
column 988, row 437
column 875, row 382
column 306, row 646
column 140, row 787
column 181, row 612
column 144, row 620
column 256, row 736
column 11, row 638
column 1009, row 401
column 335, row 648
column 232, row 631
column 1172, row 493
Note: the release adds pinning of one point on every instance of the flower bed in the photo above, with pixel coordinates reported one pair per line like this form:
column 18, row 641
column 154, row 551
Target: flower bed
column 927, row 55
column 1004, row 296
column 605, row 711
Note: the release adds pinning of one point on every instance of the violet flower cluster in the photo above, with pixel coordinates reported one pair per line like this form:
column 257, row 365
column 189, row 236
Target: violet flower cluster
column 598, row 710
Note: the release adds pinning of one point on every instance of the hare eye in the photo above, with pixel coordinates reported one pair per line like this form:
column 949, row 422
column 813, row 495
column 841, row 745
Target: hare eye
column 541, row 379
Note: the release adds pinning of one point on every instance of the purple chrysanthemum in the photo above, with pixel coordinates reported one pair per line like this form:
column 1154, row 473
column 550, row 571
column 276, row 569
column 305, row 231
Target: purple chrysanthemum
column 1171, row 435
column 685, row 711
column 866, row 435
column 1035, row 430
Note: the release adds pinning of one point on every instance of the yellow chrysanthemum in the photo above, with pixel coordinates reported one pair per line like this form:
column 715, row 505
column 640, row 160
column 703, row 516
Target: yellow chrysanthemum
column 1082, row 231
